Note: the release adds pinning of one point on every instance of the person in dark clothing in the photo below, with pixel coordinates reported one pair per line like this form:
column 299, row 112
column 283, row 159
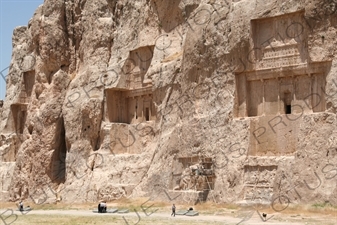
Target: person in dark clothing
column 173, row 210
column 99, row 207
column 21, row 206
column 103, row 207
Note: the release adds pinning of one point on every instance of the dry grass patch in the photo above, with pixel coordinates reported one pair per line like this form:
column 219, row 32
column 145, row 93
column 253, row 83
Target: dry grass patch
column 103, row 219
column 307, row 213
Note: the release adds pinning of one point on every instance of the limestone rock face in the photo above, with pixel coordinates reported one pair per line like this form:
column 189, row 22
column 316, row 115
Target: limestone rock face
column 191, row 100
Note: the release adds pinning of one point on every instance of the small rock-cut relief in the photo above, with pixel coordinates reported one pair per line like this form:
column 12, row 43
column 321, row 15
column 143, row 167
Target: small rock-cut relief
column 27, row 63
column 9, row 145
column 274, row 51
column 197, row 174
column 258, row 182
column 136, row 66
column 280, row 56
column 111, row 192
column 279, row 62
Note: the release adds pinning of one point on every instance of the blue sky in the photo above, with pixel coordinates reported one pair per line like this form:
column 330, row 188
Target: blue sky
column 13, row 13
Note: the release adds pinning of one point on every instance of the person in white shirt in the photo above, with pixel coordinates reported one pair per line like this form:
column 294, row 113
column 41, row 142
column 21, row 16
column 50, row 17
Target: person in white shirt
column 103, row 206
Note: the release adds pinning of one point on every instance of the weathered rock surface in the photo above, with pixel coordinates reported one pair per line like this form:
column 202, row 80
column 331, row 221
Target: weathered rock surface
column 191, row 100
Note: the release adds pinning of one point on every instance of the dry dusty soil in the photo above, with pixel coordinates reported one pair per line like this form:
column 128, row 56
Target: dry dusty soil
column 152, row 213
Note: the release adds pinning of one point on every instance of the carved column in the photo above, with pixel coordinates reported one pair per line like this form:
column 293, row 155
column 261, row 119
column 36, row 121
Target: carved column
column 278, row 95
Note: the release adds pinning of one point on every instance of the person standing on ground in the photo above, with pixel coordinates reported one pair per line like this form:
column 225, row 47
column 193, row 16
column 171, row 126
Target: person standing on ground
column 103, row 207
column 173, row 210
column 21, row 206
column 99, row 207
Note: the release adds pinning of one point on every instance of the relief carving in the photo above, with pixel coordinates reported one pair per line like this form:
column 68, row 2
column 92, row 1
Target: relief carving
column 258, row 181
column 197, row 177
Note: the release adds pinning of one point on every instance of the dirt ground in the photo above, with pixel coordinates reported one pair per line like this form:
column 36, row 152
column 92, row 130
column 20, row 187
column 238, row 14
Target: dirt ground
column 159, row 213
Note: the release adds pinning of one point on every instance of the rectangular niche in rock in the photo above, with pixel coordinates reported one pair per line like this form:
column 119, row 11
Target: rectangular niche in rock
column 29, row 81
column 58, row 164
column 19, row 113
column 130, row 106
column 116, row 106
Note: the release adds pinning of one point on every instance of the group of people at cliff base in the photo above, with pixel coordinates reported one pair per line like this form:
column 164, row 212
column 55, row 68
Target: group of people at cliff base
column 21, row 208
column 102, row 207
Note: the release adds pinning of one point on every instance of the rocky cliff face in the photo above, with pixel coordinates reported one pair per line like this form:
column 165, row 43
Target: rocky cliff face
column 192, row 100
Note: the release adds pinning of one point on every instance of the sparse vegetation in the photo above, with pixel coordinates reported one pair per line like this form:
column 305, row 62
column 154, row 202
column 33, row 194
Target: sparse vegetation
column 106, row 220
column 321, row 205
column 66, row 214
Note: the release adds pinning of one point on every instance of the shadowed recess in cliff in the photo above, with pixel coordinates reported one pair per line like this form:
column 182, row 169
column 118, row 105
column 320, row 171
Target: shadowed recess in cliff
column 166, row 10
column 58, row 165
